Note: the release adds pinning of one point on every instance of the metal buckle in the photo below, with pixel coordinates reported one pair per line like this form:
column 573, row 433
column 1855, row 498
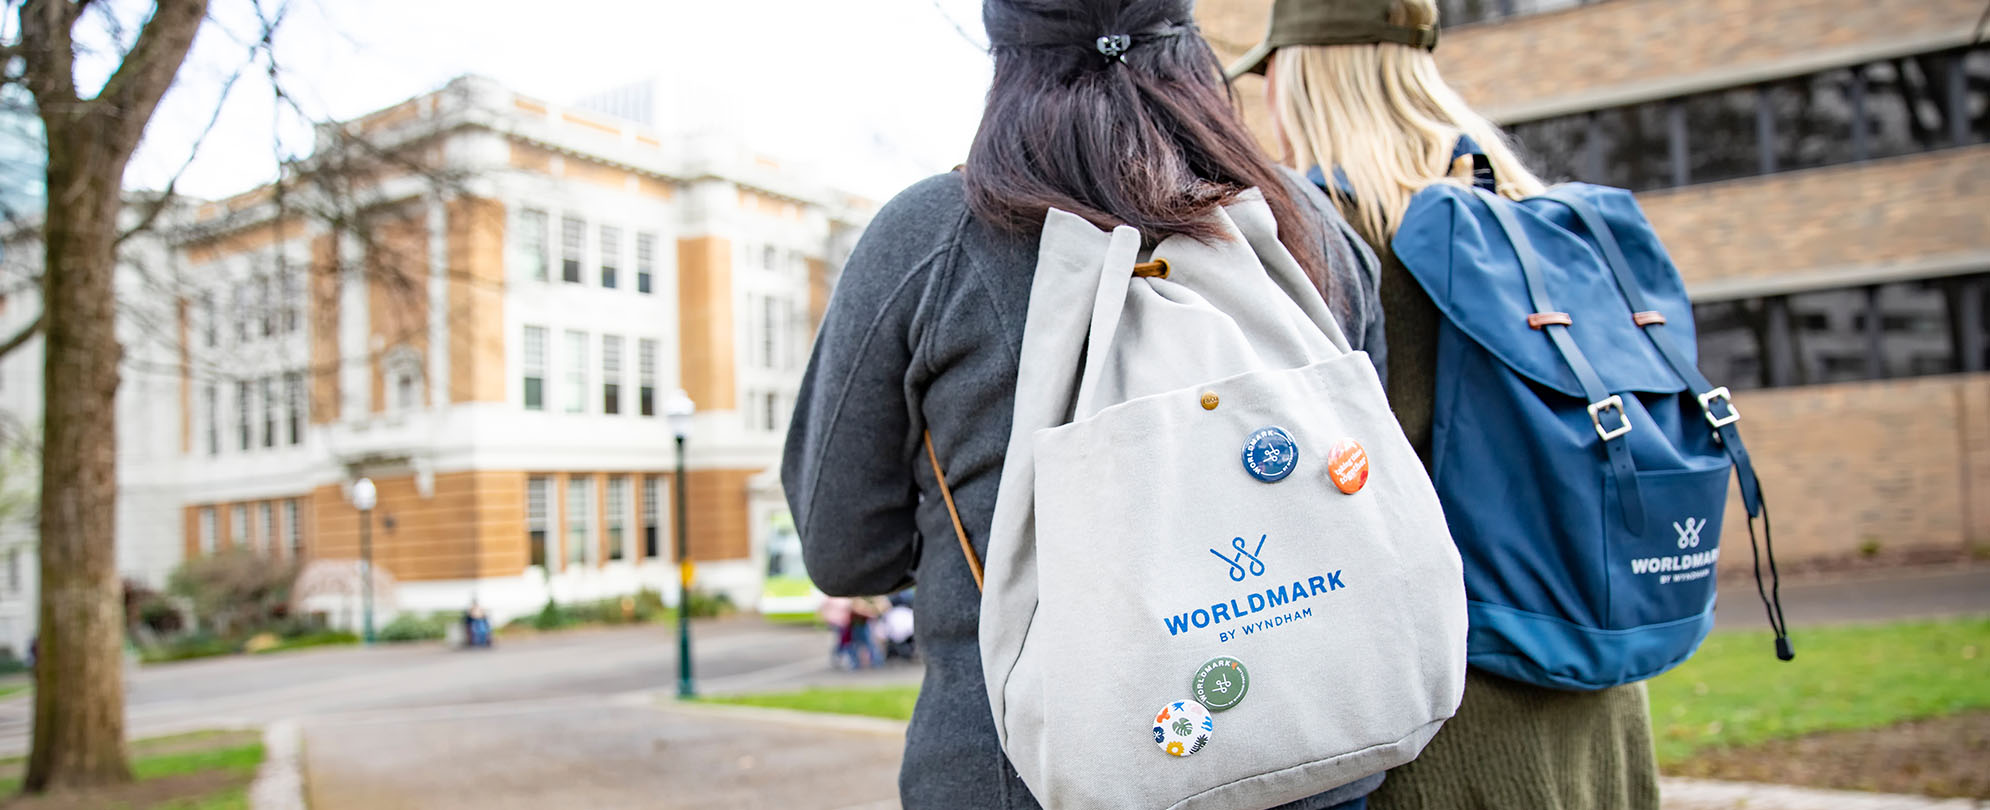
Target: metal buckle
column 1707, row 405
column 1595, row 417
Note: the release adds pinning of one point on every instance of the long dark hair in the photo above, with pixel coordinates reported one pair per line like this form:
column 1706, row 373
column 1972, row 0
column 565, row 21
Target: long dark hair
column 1148, row 138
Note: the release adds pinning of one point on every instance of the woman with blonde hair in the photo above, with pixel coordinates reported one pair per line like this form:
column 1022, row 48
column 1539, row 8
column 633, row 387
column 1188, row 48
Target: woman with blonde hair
column 1356, row 96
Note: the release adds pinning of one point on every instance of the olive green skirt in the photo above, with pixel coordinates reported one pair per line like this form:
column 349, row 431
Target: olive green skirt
column 1518, row 747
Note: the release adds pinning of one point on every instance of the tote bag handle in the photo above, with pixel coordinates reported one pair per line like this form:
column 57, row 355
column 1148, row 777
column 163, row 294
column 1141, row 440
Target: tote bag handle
column 966, row 548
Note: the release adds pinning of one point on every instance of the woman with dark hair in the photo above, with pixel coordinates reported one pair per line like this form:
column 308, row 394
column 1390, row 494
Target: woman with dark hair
column 1113, row 110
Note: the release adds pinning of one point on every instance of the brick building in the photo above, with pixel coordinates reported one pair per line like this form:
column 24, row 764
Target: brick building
column 493, row 344
column 1820, row 171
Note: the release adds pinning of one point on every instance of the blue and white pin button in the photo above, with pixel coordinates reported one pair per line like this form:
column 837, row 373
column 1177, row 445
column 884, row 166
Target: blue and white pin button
column 1270, row 454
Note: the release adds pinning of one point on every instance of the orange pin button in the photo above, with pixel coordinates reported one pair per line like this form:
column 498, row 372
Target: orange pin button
column 1348, row 464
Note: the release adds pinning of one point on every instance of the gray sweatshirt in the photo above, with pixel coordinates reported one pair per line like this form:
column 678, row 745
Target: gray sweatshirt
column 923, row 333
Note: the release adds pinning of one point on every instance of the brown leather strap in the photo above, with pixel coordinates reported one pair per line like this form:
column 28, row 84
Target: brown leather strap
column 966, row 548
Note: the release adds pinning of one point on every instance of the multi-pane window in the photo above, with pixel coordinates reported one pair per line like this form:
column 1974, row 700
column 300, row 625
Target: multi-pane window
column 645, row 261
column 535, row 368
column 238, row 526
column 210, row 407
column 14, row 570
column 266, row 305
column 242, row 395
column 651, row 485
column 538, row 496
column 580, row 519
column 611, row 374
column 772, row 413
column 576, row 393
column 618, row 515
column 243, row 306
column 293, row 527
column 1890, row 107
column 646, row 377
column 770, row 257
column 532, row 225
column 291, row 298
column 270, row 404
column 1900, row 329
column 573, row 240
column 208, row 534
column 770, row 331
column 611, row 255
column 293, row 412
column 210, row 321
column 266, row 523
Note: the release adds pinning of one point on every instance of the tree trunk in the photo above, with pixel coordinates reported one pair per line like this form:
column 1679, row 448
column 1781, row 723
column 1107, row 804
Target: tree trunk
column 79, row 709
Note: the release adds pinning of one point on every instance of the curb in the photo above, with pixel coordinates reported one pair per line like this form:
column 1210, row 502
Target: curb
column 279, row 783
column 1708, row 794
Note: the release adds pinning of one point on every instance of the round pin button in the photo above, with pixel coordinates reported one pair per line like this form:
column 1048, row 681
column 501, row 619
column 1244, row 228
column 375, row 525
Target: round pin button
column 1183, row 727
column 1270, row 454
column 1220, row 683
column 1348, row 465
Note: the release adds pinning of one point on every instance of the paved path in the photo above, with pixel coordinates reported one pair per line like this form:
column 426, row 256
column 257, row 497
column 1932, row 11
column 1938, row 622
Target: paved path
column 628, row 752
column 1876, row 597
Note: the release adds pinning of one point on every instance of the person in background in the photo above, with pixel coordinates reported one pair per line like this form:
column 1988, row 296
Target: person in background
column 835, row 612
column 926, row 325
column 1355, row 94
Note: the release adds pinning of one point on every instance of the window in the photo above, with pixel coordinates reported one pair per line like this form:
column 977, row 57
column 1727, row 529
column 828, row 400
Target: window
column 291, row 292
column 1464, row 12
column 238, row 526
column 646, row 377
column 532, row 244
column 535, row 368
column 267, row 523
column 772, row 413
column 618, row 514
column 14, row 570
column 293, row 527
column 651, row 483
column 207, row 534
column 1900, row 329
column 210, row 406
column 576, row 393
column 611, row 374
column 580, row 519
column 270, row 403
column 645, row 261
column 573, row 239
column 242, row 413
column 1884, row 108
column 770, row 331
column 770, row 258
column 210, row 321
column 611, row 255
column 537, row 497
column 266, row 306
column 404, row 379
column 242, row 309
column 293, row 412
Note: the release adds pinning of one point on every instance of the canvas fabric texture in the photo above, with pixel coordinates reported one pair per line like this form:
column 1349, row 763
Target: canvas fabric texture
column 1130, row 544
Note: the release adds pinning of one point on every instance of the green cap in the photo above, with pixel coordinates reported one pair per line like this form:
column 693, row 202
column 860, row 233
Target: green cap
column 1331, row 22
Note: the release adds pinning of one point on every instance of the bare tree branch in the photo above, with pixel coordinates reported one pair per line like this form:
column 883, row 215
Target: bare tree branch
column 133, row 92
column 21, row 337
column 166, row 197
column 46, row 46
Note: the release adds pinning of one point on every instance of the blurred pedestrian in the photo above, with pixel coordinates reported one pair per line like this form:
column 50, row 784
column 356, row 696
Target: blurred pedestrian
column 476, row 626
column 835, row 612
column 926, row 327
column 1355, row 95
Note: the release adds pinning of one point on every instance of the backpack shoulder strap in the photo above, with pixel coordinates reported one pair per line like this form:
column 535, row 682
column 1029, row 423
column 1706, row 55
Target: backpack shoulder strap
column 947, row 493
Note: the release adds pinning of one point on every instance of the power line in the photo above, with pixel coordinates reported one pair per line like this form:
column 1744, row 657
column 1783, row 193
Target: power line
column 969, row 38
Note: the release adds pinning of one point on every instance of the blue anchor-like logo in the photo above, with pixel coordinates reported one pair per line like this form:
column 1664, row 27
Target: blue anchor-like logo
column 1237, row 563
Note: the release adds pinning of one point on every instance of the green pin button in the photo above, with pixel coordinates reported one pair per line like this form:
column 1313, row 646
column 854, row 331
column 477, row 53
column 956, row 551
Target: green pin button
column 1220, row 683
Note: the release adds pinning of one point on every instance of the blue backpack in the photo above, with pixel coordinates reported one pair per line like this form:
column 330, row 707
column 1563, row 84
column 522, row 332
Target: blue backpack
column 1581, row 457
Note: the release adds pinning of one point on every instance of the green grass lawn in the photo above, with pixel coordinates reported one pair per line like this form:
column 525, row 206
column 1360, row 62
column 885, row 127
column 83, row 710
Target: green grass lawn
column 892, row 702
column 213, row 770
column 12, row 689
column 1734, row 692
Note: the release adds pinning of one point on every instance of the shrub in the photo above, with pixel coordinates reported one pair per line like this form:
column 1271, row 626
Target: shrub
column 706, row 605
column 197, row 645
column 235, row 591
column 414, row 627
column 550, row 617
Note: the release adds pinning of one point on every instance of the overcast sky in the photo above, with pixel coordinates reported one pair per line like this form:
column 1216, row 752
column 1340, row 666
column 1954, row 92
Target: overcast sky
column 874, row 94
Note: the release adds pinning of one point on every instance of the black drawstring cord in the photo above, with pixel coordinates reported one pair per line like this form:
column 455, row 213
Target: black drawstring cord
column 1772, row 599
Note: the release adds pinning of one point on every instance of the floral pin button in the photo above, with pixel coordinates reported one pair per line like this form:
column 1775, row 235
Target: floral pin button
column 1347, row 463
column 1183, row 728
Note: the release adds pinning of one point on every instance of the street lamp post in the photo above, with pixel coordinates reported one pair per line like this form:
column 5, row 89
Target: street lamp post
column 364, row 496
column 679, row 410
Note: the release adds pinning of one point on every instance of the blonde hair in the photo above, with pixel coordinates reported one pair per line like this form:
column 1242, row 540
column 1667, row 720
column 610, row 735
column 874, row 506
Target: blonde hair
column 1383, row 115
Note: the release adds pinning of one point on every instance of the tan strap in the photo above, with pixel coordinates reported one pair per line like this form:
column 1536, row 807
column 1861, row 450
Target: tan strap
column 966, row 548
